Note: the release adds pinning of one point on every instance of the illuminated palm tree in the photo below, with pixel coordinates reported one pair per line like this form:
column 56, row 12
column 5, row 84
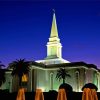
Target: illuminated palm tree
column 2, row 74
column 19, row 68
column 62, row 73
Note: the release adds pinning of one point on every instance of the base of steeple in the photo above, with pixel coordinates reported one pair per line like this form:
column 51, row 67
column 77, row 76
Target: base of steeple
column 48, row 61
column 51, row 57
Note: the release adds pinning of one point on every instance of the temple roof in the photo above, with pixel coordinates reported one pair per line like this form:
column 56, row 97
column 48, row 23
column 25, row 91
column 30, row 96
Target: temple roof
column 67, row 65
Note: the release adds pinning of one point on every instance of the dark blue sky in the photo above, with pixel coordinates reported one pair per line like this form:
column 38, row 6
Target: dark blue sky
column 25, row 28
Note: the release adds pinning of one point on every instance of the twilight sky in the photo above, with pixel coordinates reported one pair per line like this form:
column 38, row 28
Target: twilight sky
column 25, row 28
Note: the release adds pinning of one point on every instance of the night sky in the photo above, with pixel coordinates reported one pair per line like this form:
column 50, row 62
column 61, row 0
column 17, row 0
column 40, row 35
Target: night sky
column 25, row 28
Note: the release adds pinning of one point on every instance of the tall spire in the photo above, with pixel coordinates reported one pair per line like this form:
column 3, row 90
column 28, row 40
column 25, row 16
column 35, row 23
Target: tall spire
column 54, row 31
column 54, row 47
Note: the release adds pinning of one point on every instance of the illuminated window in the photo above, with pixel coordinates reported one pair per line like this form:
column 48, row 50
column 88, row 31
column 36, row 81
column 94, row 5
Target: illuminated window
column 53, row 50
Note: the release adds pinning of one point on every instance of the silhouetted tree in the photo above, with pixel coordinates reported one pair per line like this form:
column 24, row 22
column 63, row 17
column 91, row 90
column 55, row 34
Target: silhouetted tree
column 19, row 67
column 90, row 85
column 67, row 87
column 2, row 74
column 62, row 73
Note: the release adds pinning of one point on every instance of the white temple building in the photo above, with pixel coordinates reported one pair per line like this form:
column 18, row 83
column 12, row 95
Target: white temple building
column 43, row 72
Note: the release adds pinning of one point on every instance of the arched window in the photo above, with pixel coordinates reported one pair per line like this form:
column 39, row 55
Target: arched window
column 77, row 81
column 51, row 81
column 97, row 80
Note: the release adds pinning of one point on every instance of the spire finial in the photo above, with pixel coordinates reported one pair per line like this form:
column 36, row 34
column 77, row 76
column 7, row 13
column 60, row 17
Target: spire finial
column 53, row 10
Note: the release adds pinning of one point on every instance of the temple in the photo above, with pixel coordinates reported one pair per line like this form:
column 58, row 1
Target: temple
column 43, row 72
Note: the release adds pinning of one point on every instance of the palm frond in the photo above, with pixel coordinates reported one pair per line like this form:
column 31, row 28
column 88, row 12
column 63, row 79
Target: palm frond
column 19, row 67
column 62, row 73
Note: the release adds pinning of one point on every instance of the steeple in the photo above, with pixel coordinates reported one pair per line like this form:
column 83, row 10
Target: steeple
column 54, row 31
column 54, row 47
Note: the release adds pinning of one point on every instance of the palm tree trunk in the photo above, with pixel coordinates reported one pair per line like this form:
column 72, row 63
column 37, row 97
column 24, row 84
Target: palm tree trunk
column 63, row 81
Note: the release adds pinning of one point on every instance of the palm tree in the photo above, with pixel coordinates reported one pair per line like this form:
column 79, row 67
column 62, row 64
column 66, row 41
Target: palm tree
column 62, row 73
column 2, row 74
column 19, row 68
